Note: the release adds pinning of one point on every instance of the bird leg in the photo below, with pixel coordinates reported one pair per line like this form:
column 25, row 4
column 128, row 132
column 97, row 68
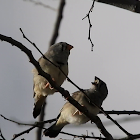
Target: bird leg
column 48, row 85
column 77, row 111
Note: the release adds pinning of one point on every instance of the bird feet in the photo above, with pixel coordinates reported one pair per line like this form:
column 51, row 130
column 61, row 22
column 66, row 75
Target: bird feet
column 48, row 85
column 78, row 112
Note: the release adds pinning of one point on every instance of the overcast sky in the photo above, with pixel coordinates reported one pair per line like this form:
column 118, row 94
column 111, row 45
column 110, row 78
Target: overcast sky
column 115, row 59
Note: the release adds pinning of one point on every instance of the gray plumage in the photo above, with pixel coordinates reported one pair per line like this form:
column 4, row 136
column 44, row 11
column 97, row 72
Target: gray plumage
column 58, row 54
column 70, row 115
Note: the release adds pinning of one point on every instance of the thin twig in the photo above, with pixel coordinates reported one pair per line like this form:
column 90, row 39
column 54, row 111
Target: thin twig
column 26, row 131
column 41, row 118
column 29, row 124
column 82, row 136
column 90, row 25
column 19, row 123
column 2, row 135
column 121, row 112
column 36, row 124
column 115, row 122
column 41, row 4
column 57, row 23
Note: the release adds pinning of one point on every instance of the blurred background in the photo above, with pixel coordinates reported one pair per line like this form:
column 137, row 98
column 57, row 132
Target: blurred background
column 114, row 59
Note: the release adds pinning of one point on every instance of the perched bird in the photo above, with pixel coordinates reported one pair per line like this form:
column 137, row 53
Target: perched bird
column 57, row 54
column 70, row 115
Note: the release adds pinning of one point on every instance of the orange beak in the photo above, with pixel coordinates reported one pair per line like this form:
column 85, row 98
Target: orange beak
column 69, row 47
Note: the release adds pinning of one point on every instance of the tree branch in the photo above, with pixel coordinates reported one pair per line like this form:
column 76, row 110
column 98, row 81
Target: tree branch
column 58, row 21
column 34, row 125
column 82, row 136
column 29, row 124
column 90, row 25
column 121, row 112
column 41, row 4
column 1, row 135
column 26, row 131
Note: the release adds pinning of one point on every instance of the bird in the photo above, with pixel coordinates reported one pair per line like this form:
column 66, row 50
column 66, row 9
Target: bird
column 71, row 115
column 57, row 55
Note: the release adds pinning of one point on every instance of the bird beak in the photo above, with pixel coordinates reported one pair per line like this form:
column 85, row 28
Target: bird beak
column 96, row 82
column 69, row 47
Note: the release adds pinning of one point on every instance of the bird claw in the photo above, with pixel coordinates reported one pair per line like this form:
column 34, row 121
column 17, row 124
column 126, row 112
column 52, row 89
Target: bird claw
column 48, row 85
column 77, row 111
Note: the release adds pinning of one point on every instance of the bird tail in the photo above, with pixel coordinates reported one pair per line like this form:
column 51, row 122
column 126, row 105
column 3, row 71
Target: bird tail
column 52, row 131
column 38, row 106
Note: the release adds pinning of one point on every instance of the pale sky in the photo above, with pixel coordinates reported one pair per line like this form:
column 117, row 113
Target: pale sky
column 115, row 59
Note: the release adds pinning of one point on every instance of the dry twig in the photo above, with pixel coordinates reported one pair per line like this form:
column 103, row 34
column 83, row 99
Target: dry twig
column 41, row 4
column 1, row 135
column 121, row 112
column 34, row 125
column 90, row 25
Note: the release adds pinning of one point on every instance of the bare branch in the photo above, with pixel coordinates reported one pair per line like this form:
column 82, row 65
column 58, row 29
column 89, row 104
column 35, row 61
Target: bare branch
column 115, row 122
column 121, row 120
column 121, row 112
column 41, row 4
column 90, row 25
column 58, row 21
column 19, row 123
column 26, row 131
column 132, row 137
column 36, row 124
column 83, row 136
column 1, row 135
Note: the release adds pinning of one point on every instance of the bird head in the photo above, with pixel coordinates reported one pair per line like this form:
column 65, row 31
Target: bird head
column 60, row 52
column 100, row 86
column 98, row 91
